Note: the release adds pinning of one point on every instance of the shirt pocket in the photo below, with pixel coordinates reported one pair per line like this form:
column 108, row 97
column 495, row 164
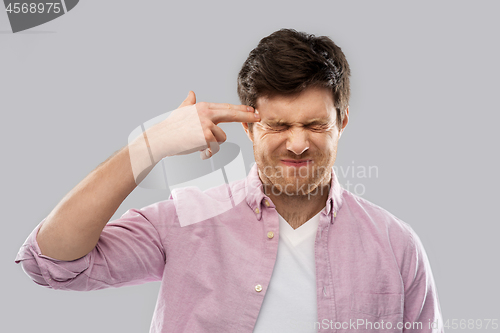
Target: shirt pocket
column 377, row 305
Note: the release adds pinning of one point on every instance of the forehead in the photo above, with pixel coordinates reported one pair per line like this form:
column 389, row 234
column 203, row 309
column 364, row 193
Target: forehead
column 312, row 103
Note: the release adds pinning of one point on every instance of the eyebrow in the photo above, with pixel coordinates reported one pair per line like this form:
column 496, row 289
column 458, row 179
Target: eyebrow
column 311, row 122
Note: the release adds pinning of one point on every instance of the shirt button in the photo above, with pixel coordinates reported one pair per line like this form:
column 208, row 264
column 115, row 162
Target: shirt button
column 334, row 214
column 258, row 288
column 257, row 210
column 267, row 203
column 270, row 234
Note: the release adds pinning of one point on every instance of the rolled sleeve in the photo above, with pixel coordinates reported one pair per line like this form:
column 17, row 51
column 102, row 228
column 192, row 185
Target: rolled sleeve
column 46, row 271
column 129, row 252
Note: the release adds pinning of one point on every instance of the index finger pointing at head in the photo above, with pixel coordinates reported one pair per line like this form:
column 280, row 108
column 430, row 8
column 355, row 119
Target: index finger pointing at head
column 227, row 113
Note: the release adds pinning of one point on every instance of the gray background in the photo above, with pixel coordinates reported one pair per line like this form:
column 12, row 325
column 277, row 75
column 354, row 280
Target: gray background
column 424, row 110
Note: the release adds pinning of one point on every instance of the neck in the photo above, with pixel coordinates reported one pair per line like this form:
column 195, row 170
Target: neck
column 298, row 209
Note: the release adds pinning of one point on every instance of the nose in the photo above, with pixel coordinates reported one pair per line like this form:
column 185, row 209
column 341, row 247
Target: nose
column 297, row 141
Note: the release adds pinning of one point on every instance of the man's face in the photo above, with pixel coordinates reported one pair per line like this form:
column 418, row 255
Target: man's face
column 295, row 143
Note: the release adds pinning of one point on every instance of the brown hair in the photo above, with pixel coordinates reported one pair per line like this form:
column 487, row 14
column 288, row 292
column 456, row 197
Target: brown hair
column 287, row 62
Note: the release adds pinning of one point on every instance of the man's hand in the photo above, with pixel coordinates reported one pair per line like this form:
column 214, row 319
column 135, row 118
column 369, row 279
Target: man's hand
column 211, row 114
column 192, row 127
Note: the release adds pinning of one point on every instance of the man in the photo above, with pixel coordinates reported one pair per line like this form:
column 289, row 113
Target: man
column 295, row 252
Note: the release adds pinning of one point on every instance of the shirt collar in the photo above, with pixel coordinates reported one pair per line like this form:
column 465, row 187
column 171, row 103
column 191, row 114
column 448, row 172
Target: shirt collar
column 255, row 196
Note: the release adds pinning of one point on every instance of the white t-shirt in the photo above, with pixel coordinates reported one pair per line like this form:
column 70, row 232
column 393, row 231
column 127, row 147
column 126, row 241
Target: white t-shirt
column 290, row 302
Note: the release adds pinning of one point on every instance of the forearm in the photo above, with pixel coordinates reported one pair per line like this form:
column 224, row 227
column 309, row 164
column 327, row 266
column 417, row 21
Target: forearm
column 73, row 228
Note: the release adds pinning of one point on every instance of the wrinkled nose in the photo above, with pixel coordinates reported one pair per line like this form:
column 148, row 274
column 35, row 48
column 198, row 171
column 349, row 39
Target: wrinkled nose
column 297, row 141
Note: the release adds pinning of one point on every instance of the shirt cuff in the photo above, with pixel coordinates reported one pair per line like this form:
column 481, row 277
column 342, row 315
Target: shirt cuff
column 47, row 271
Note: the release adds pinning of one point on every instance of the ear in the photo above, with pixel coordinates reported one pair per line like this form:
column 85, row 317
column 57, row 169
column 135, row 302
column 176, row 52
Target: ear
column 345, row 121
column 247, row 131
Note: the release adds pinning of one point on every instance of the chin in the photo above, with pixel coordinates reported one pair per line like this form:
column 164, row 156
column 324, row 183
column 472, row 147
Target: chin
column 294, row 186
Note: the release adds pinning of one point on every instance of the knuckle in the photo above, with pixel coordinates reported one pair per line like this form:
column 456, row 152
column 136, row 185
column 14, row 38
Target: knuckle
column 207, row 133
column 205, row 123
column 214, row 147
column 205, row 113
column 224, row 135
column 210, row 113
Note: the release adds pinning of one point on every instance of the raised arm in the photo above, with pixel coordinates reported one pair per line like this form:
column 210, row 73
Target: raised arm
column 73, row 227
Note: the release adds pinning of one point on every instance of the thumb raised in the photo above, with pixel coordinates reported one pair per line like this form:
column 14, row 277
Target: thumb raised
column 190, row 99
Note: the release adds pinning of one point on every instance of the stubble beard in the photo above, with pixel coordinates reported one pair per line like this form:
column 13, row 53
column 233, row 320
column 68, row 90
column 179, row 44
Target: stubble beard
column 278, row 179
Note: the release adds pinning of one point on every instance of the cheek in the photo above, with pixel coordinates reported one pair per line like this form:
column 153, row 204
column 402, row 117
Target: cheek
column 267, row 149
column 269, row 140
column 325, row 141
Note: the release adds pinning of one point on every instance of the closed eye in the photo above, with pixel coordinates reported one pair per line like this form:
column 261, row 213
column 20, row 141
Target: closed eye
column 277, row 128
column 314, row 126
column 318, row 128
